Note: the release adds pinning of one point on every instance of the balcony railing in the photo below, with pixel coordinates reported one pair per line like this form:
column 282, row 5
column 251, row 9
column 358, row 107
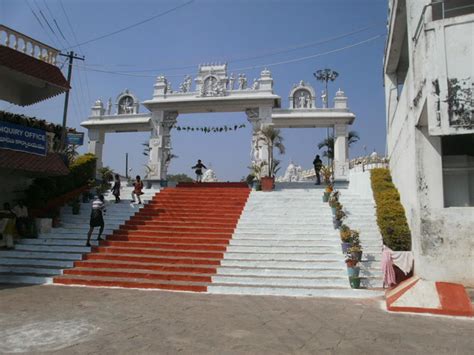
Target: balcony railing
column 25, row 44
column 443, row 9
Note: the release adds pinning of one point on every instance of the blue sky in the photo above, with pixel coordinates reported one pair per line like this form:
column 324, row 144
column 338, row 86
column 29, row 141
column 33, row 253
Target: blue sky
column 211, row 31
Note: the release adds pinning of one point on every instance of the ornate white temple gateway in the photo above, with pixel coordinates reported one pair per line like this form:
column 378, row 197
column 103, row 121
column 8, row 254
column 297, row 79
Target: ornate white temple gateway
column 216, row 91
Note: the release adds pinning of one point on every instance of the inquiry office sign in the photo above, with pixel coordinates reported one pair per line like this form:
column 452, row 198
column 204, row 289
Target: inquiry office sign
column 22, row 139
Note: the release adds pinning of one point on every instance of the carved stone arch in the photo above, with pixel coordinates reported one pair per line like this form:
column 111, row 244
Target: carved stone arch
column 302, row 96
column 127, row 103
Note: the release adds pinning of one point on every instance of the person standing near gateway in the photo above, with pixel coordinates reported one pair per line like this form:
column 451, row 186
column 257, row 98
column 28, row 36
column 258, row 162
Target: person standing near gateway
column 137, row 189
column 97, row 218
column 116, row 188
column 199, row 166
column 318, row 164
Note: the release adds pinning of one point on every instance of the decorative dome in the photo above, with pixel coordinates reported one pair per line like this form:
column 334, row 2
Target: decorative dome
column 374, row 154
column 98, row 102
column 209, row 176
column 340, row 93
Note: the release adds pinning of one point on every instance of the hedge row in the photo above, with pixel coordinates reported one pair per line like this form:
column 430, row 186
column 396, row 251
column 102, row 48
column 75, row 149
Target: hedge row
column 44, row 189
column 32, row 122
column 390, row 213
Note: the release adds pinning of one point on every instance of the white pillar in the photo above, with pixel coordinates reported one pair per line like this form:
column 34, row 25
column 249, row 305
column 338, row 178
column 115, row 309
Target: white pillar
column 160, row 144
column 259, row 118
column 341, row 159
column 96, row 144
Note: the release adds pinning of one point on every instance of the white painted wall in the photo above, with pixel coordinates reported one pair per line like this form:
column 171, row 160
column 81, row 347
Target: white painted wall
column 442, row 238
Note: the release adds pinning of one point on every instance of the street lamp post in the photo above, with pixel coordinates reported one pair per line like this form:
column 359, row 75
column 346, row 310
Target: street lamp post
column 326, row 75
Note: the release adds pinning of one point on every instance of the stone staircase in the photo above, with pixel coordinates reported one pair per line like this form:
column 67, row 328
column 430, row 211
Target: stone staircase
column 174, row 243
column 38, row 260
column 361, row 216
column 285, row 244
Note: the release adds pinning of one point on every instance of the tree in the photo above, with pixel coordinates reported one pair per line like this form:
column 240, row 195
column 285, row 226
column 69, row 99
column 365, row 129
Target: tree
column 328, row 144
column 180, row 178
column 273, row 139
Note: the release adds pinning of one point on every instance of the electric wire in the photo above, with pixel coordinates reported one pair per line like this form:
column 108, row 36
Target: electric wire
column 80, row 96
column 80, row 48
column 241, row 59
column 258, row 66
column 269, row 53
column 131, row 26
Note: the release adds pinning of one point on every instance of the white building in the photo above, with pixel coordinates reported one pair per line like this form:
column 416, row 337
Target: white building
column 428, row 73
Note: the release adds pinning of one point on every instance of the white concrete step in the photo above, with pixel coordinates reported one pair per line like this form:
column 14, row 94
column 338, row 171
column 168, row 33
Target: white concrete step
column 277, row 272
column 283, row 256
column 304, row 265
column 282, row 281
column 283, row 249
column 293, row 291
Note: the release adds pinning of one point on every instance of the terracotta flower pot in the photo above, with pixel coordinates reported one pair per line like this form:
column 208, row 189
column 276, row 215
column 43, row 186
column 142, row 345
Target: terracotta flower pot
column 268, row 183
column 351, row 263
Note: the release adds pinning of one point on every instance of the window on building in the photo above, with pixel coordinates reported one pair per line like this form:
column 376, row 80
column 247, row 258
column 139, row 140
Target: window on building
column 458, row 170
column 451, row 8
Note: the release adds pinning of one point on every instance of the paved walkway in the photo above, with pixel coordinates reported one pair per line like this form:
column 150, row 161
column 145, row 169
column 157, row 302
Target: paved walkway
column 70, row 320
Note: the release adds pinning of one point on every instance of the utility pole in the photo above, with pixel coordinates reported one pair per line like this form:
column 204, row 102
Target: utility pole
column 126, row 165
column 71, row 56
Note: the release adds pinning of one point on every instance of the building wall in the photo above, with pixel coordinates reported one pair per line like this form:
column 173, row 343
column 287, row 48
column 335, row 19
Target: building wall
column 11, row 187
column 417, row 118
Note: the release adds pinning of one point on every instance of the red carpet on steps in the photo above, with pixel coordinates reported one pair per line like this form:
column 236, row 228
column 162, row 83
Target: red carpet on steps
column 175, row 242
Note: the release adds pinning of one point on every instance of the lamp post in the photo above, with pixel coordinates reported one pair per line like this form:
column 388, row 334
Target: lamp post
column 326, row 75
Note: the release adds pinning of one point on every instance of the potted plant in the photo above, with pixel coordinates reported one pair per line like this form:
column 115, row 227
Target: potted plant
column 356, row 251
column 326, row 174
column 54, row 215
column 350, row 261
column 76, row 206
column 353, row 270
column 272, row 138
column 340, row 215
column 334, row 201
column 354, row 282
column 250, row 180
column 254, row 175
column 346, row 238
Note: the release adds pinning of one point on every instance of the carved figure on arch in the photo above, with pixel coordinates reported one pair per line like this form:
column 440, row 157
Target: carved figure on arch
column 255, row 84
column 187, row 83
column 231, row 81
column 324, row 98
column 302, row 100
column 242, row 82
column 109, row 106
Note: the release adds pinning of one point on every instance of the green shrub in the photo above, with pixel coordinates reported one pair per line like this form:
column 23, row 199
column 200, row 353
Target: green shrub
column 44, row 189
column 391, row 217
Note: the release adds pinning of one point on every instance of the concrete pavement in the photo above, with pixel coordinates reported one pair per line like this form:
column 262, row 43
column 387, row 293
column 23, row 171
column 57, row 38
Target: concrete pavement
column 78, row 320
